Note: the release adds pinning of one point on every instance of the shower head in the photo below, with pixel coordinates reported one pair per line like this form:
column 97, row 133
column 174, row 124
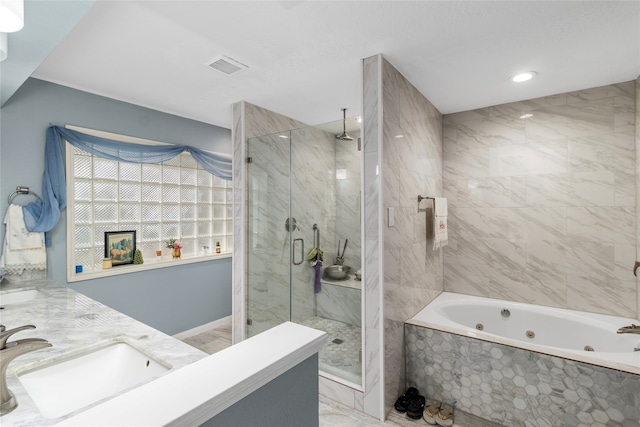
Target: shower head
column 344, row 136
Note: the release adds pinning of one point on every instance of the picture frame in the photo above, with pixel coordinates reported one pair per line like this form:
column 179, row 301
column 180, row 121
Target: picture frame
column 120, row 246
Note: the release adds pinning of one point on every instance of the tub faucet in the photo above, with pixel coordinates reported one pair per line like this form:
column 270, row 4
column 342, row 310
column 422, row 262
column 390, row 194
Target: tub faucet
column 633, row 329
column 8, row 352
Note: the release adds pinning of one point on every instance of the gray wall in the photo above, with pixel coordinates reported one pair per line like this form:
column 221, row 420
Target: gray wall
column 171, row 299
column 290, row 400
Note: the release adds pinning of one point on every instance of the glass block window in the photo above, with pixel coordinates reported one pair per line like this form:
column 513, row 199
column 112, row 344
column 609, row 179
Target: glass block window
column 174, row 200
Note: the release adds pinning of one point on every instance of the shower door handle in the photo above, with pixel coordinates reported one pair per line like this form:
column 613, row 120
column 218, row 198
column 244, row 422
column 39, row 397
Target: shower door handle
column 293, row 252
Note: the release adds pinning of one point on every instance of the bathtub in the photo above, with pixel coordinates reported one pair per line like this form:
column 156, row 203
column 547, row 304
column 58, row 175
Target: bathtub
column 524, row 365
column 575, row 335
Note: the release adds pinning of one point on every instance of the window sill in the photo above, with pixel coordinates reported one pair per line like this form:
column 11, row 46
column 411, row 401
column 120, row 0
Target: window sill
column 165, row 261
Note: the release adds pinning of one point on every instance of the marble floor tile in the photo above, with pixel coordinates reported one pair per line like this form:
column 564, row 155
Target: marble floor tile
column 334, row 414
column 341, row 355
column 213, row 340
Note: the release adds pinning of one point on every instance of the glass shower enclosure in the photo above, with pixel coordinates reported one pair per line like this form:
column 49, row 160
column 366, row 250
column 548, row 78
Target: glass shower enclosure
column 303, row 192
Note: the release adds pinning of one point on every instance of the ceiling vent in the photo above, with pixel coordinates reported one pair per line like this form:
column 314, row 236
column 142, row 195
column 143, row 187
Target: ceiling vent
column 226, row 65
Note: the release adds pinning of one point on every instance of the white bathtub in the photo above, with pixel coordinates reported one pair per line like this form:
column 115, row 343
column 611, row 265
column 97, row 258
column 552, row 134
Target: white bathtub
column 554, row 331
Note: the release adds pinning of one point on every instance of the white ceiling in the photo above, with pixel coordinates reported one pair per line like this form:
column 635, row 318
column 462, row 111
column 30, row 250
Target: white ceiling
column 304, row 56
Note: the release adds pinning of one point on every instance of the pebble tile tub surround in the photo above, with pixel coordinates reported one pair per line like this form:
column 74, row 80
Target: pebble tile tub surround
column 516, row 387
column 73, row 324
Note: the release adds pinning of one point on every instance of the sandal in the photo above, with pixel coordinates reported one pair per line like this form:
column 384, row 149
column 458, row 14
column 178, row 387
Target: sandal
column 402, row 403
column 445, row 415
column 416, row 407
column 431, row 411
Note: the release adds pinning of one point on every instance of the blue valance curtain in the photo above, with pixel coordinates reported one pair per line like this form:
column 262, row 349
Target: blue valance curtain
column 43, row 215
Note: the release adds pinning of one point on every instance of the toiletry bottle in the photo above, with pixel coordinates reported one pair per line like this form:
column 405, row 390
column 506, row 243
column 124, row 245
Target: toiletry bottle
column 217, row 247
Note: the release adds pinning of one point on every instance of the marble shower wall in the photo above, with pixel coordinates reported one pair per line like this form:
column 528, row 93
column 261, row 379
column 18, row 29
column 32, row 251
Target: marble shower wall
column 637, row 186
column 373, row 398
column 313, row 195
column 411, row 166
column 542, row 197
column 348, row 201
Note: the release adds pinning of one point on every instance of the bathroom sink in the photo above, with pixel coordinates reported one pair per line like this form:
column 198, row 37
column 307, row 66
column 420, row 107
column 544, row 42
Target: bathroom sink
column 19, row 297
column 73, row 383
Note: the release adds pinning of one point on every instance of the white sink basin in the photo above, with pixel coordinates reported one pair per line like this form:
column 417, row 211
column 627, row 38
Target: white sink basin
column 63, row 387
column 19, row 297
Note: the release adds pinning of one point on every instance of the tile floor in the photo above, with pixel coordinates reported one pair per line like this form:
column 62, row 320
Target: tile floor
column 341, row 355
column 213, row 340
column 332, row 413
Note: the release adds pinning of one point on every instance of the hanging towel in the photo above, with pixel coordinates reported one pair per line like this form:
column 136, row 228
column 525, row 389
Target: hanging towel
column 315, row 258
column 317, row 287
column 22, row 250
column 440, row 235
column 20, row 238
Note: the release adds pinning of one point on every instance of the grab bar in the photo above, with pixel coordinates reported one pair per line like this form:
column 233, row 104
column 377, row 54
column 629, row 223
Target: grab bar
column 316, row 236
column 22, row 190
column 293, row 252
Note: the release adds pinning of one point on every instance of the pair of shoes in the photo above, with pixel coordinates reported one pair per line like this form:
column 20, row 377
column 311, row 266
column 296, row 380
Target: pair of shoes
column 402, row 404
column 415, row 408
column 431, row 412
column 445, row 415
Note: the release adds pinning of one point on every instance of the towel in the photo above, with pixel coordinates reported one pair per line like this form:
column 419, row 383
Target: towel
column 317, row 287
column 23, row 250
column 20, row 238
column 315, row 258
column 440, row 235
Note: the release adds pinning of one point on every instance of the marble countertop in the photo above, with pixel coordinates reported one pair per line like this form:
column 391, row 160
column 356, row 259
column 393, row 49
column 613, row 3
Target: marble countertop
column 74, row 324
column 190, row 396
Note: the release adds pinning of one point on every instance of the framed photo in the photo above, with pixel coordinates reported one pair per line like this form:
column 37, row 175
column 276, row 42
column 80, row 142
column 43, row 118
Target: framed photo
column 120, row 246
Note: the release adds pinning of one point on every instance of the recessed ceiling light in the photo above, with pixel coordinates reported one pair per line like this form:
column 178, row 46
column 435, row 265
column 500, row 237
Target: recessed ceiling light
column 523, row 77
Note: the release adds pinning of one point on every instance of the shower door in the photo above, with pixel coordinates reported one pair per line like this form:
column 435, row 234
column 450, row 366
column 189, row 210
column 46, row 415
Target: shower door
column 293, row 205
column 269, row 226
column 289, row 189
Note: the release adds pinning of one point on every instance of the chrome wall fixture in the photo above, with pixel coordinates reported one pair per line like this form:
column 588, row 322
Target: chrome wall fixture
column 20, row 190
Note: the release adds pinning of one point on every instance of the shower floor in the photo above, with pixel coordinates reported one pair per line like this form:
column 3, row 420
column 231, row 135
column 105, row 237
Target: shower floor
column 341, row 355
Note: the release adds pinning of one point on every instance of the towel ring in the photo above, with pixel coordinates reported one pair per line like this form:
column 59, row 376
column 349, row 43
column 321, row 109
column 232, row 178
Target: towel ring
column 20, row 190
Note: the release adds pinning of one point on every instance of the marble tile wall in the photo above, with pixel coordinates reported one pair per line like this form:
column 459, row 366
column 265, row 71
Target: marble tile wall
column 542, row 197
column 637, row 118
column 238, row 261
column 517, row 387
column 373, row 398
column 340, row 303
column 411, row 166
column 313, row 196
column 348, row 200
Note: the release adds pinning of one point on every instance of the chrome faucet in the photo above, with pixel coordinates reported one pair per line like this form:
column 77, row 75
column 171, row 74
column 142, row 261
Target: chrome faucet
column 633, row 329
column 8, row 352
